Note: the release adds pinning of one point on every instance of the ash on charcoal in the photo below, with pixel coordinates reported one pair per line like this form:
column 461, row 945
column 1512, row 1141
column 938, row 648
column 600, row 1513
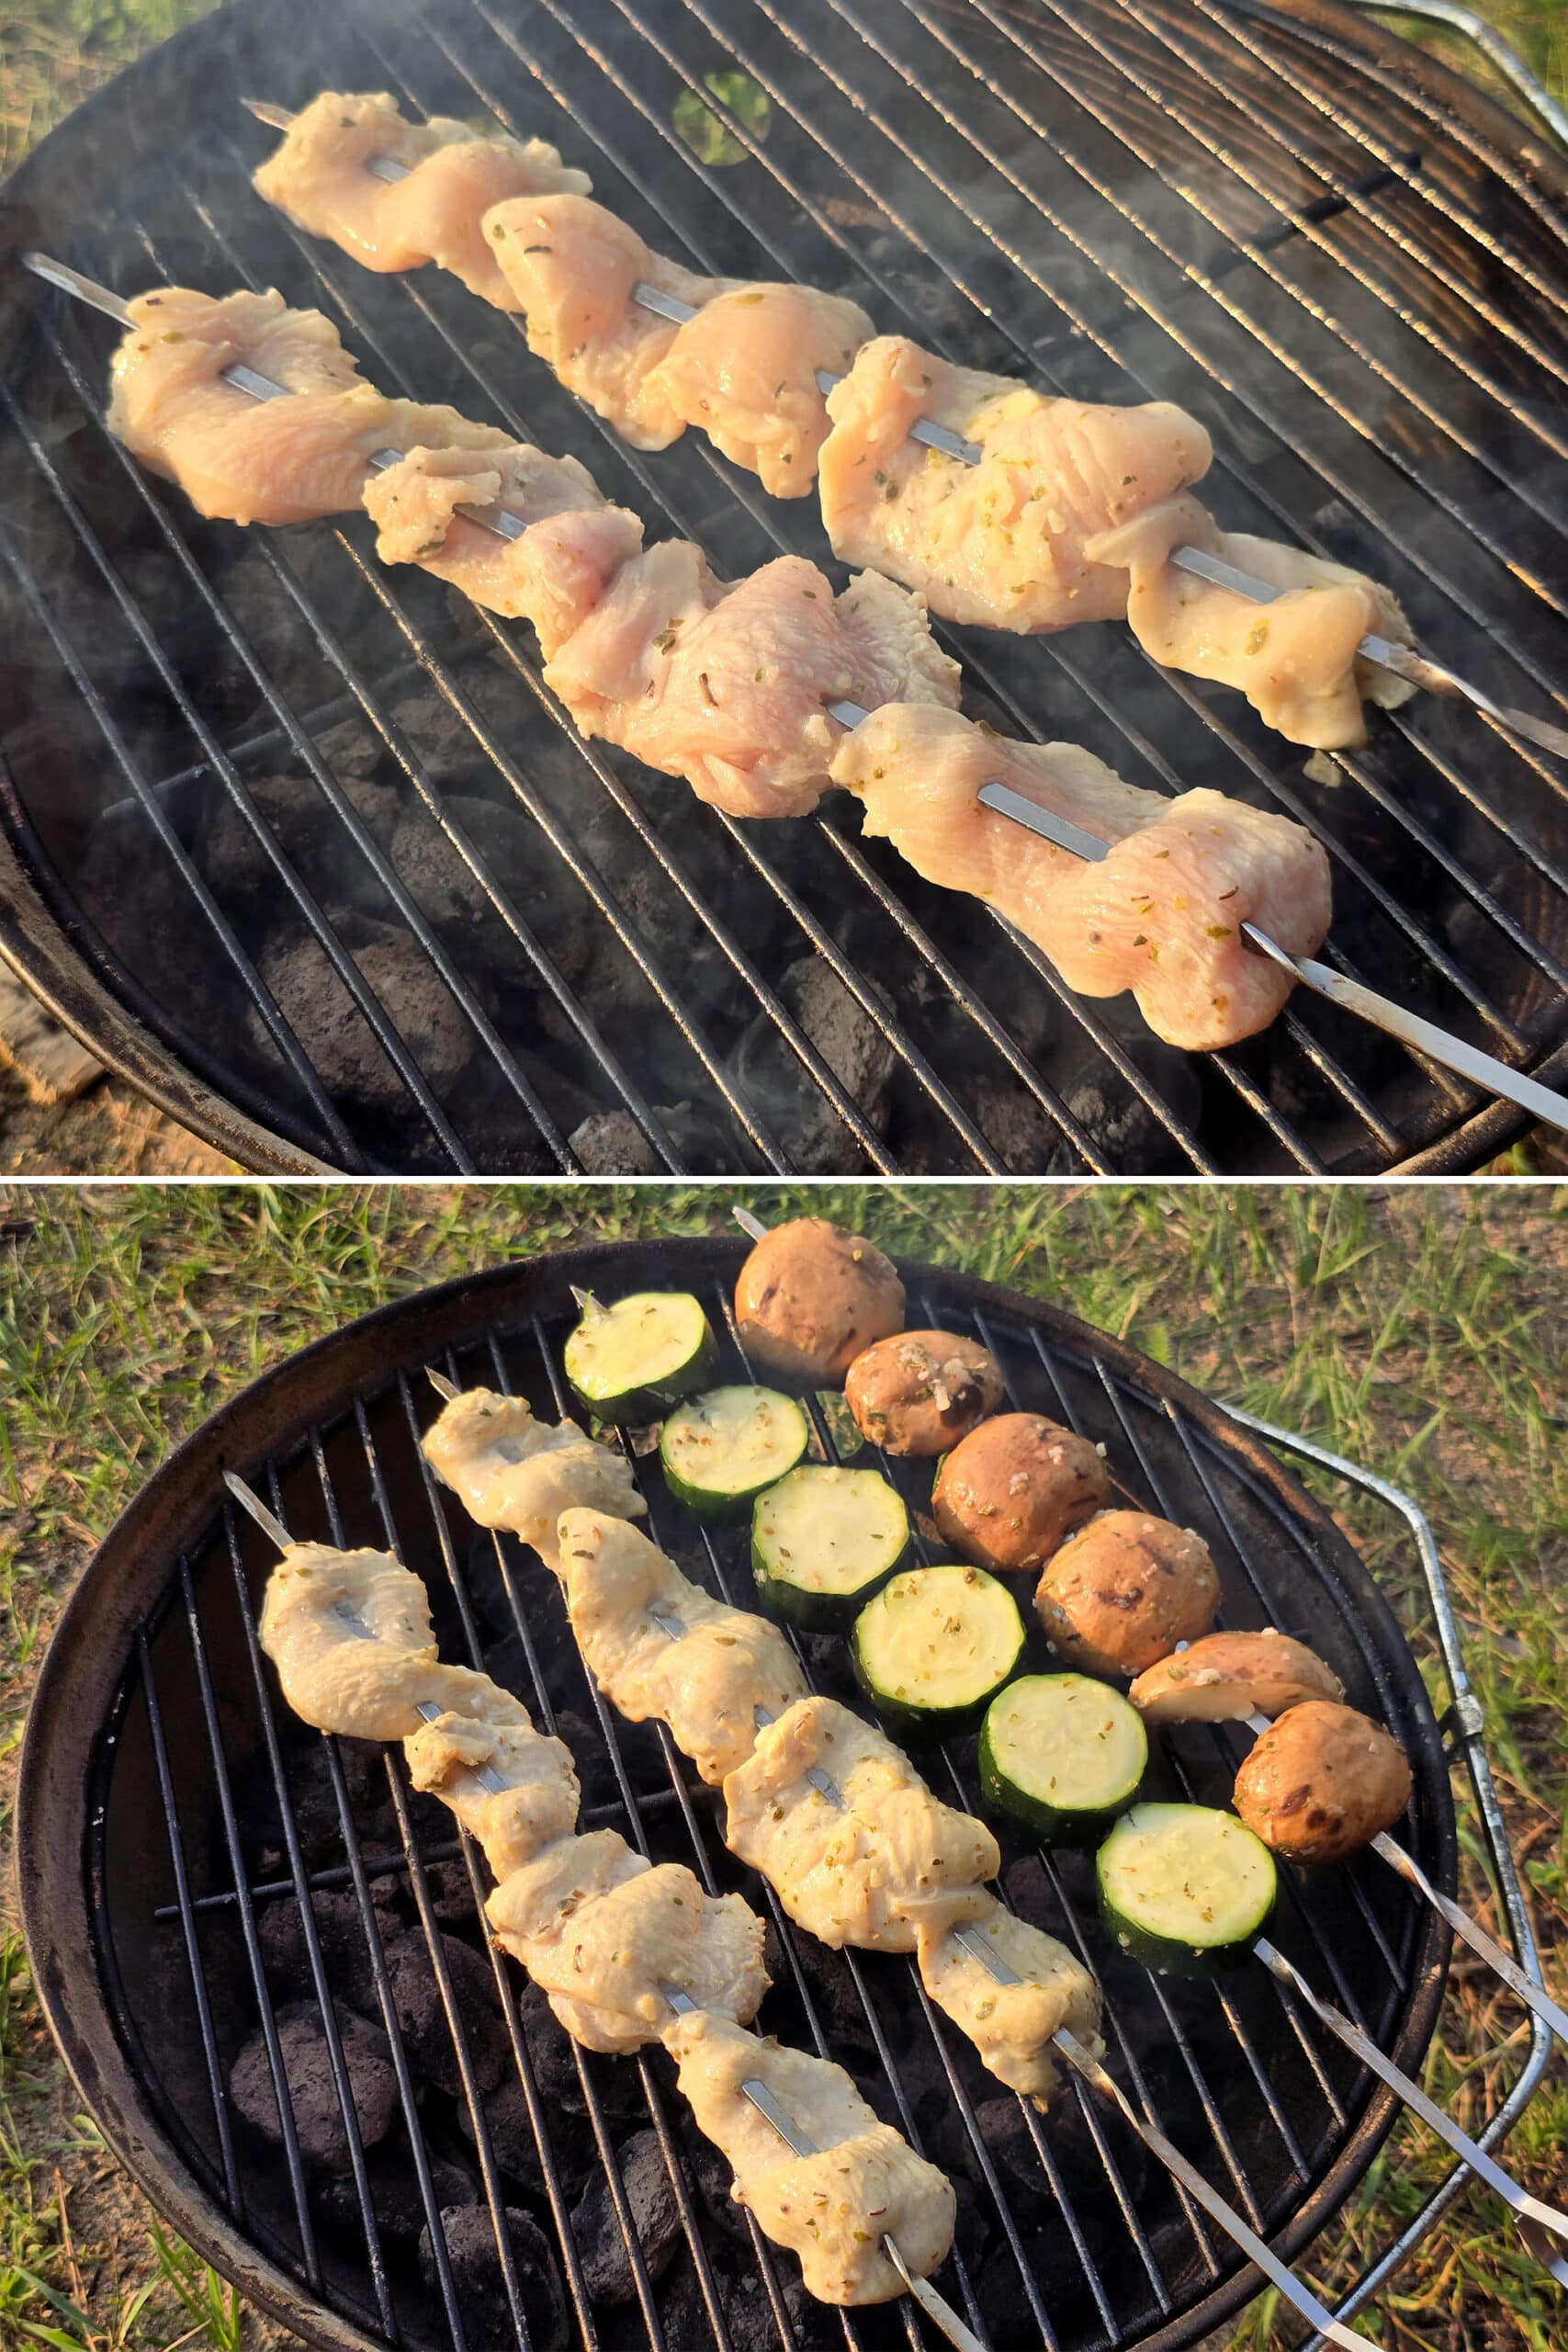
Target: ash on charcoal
column 655, row 2218
column 451, row 1890
column 768, row 1071
column 340, row 1933
column 313, row 2093
column 421, row 2020
column 335, row 1033
column 309, row 831
column 395, row 2196
column 713, row 2180
column 612, row 1144
column 749, row 2312
column 481, row 2286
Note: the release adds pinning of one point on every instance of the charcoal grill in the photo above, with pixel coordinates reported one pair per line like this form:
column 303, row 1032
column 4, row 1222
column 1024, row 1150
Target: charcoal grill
column 308, row 852
column 173, row 1813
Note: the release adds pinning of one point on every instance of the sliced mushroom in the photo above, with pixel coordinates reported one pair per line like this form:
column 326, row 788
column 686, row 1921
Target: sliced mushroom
column 1225, row 1677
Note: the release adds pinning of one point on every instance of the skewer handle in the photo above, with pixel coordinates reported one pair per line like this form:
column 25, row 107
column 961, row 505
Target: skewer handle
column 1519, row 2200
column 1317, row 2314
column 1474, row 1934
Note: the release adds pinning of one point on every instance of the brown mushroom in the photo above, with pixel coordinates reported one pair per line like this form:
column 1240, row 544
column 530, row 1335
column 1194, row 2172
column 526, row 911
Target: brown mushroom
column 1227, row 1677
column 810, row 1297
column 1008, row 1492
column 1321, row 1782
column 921, row 1391
column 1124, row 1590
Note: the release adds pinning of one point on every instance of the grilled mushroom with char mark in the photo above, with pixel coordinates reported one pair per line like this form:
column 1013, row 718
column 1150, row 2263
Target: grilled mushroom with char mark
column 1322, row 1783
column 1008, row 1492
column 1122, row 1591
column 920, row 1392
column 810, row 1297
column 1225, row 1678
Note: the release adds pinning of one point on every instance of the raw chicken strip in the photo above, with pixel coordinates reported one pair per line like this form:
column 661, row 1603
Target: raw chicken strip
column 1001, row 543
column 1294, row 660
column 744, row 371
column 260, row 461
column 706, row 1686
column 538, row 1805
column 514, row 1472
column 1161, row 915
column 601, row 1930
column 571, row 267
column 835, row 2207
column 726, row 685
column 334, row 1677
column 866, row 1871
column 319, row 178
column 553, row 576
column 1012, row 2025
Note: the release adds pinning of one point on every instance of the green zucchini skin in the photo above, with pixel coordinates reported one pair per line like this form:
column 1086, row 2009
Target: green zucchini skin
column 733, row 1502
column 818, row 1612
column 642, row 1402
column 1065, row 1823
column 928, row 1719
column 1172, row 1955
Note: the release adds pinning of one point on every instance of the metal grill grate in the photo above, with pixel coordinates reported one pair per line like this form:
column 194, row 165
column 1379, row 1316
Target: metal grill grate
column 210, row 1812
column 313, row 846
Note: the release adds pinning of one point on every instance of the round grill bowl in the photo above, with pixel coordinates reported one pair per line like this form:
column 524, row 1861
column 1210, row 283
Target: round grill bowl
column 160, row 1609
column 300, row 845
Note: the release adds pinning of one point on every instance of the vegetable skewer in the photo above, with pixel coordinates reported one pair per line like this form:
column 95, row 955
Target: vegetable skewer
column 1422, row 1036
column 1078, row 2057
column 1404, row 661
column 752, row 2087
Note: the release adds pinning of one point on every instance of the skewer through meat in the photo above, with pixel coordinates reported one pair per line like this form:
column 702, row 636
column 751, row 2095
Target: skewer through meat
column 606, row 1934
column 882, row 1864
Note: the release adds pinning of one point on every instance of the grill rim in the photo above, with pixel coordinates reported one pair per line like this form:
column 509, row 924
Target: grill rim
column 38, row 947
column 174, row 1513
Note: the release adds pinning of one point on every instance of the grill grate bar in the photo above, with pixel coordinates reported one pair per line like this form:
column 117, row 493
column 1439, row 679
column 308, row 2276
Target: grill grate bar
column 977, row 662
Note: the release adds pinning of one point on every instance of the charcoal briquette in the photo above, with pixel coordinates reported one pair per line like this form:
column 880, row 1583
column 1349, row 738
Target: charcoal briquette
column 421, row 2016
column 312, row 2091
column 480, row 2283
column 655, row 2218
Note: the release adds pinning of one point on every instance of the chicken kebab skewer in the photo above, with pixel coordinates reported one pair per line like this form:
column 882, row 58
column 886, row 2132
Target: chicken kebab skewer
column 1165, row 915
column 593, row 1923
column 513, row 1472
column 617, row 1584
column 1077, row 513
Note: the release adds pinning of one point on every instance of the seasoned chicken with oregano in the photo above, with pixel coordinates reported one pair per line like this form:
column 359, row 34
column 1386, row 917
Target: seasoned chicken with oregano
column 514, row 1472
column 1012, row 2025
column 1162, row 915
column 630, row 1952
column 707, row 1680
column 320, row 177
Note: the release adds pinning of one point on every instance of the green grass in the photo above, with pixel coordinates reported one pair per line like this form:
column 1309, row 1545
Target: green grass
column 1421, row 1329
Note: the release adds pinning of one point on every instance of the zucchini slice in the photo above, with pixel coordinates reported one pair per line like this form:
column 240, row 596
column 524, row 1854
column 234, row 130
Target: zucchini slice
column 721, row 1449
column 823, row 1539
column 1184, row 1887
column 936, row 1646
column 1063, row 1754
column 631, row 1362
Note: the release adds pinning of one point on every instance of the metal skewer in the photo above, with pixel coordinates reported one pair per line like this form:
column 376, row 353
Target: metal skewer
column 1385, row 652
column 1081, row 2060
column 1480, row 1068
column 753, row 2087
column 1389, row 1850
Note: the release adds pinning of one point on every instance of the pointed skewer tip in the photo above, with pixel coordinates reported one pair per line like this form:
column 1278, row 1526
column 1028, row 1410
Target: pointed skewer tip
column 276, row 118
column 442, row 1386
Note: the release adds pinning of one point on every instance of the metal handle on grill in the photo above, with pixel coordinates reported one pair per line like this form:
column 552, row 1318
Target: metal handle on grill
column 752, row 2087
column 1385, row 652
column 1489, row 40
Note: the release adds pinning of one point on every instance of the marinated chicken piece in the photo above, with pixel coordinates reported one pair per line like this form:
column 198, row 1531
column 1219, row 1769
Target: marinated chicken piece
column 260, row 461
column 726, row 685
column 571, row 267
column 874, row 1866
column 1003, row 543
column 602, row 1931
column 1294, row 660
column 554, row 575
column 708, row 1683
column 1012, row 2025
column 365, row 1685
column 539, row 1804
column 511, row 1471
column 833, row 2208
column 744, row 372
column 320, row 178
column 1161, row 915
